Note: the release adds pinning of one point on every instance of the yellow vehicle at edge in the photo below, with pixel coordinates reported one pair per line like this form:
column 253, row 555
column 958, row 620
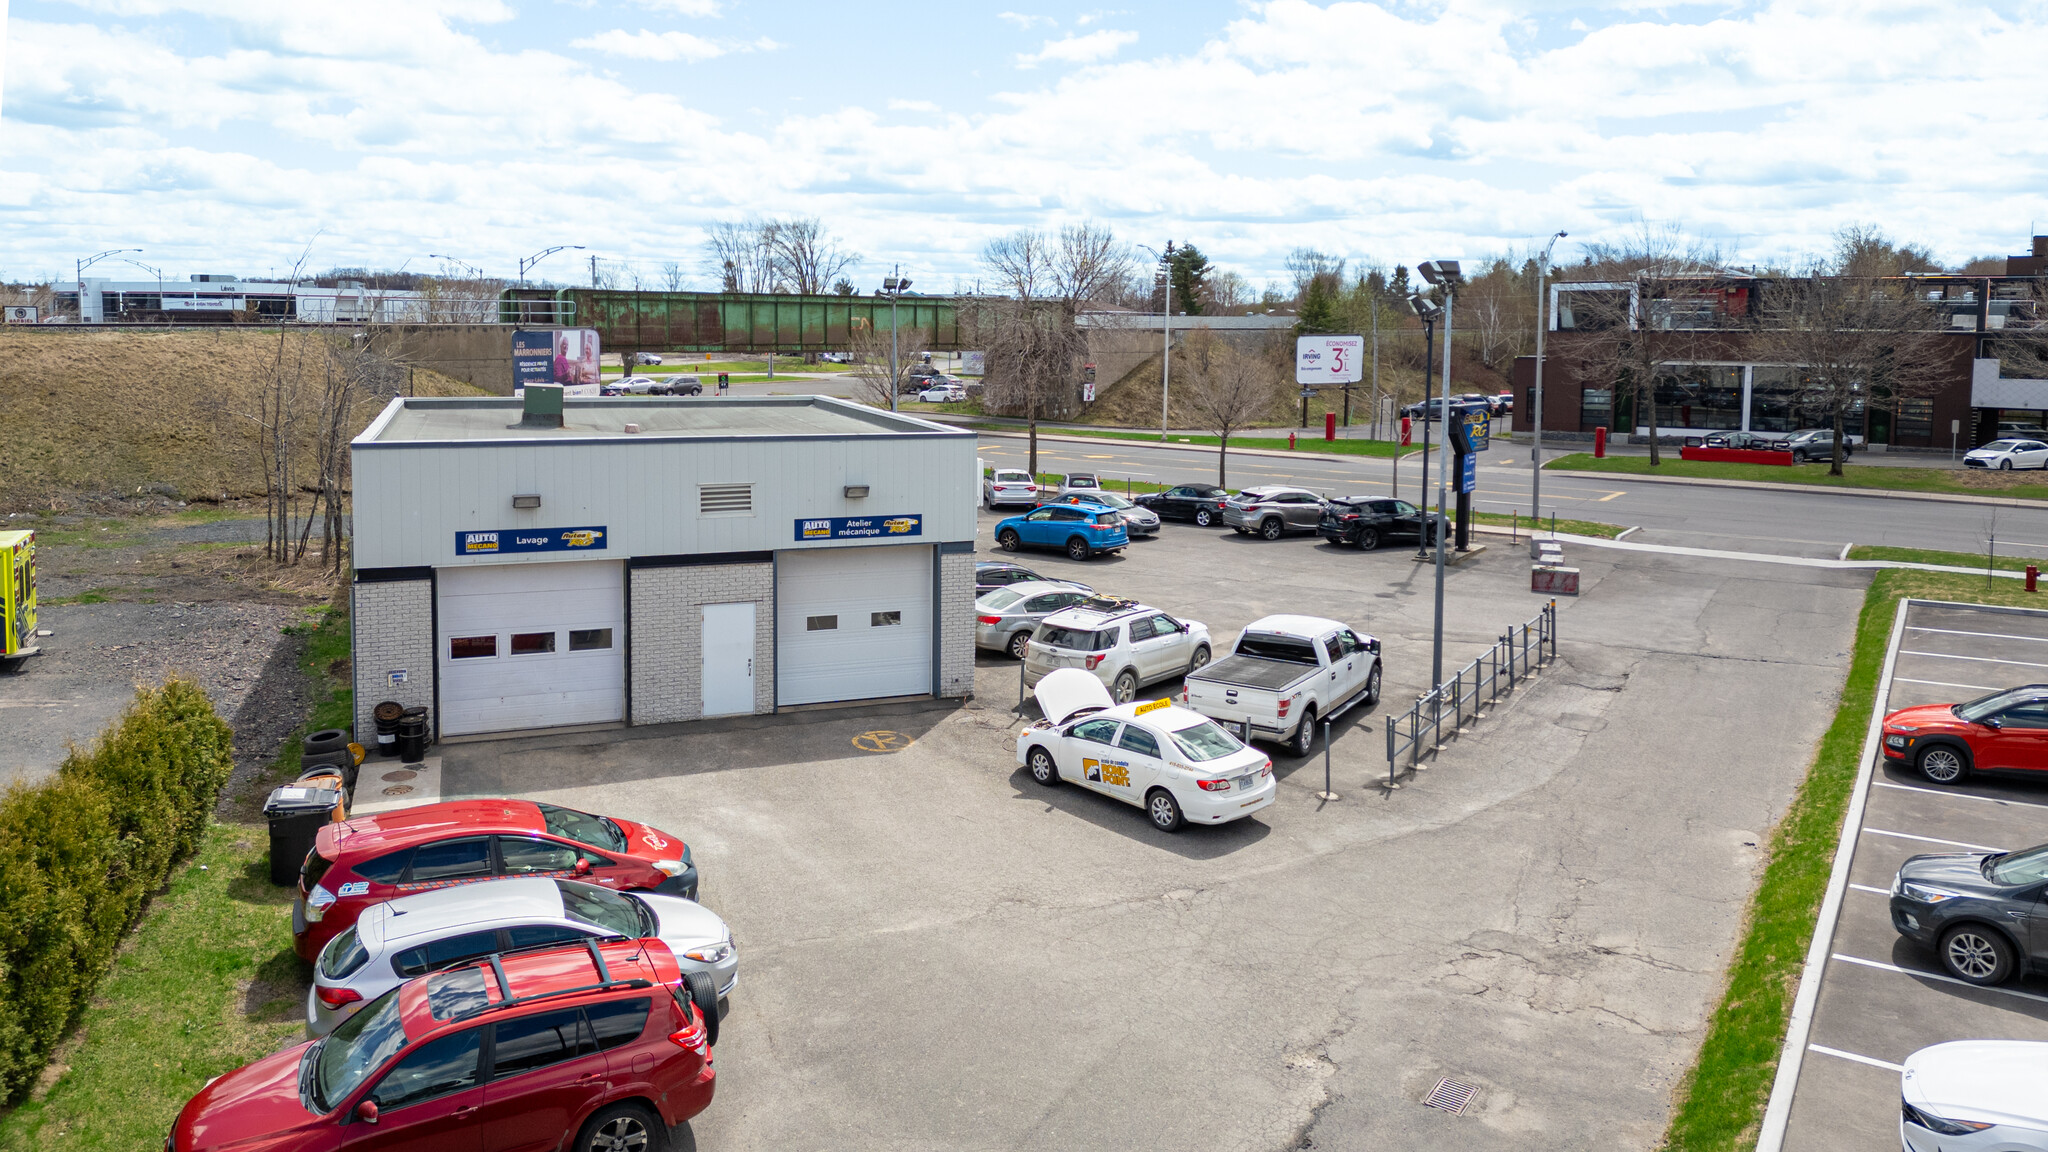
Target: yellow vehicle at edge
column 18, row 593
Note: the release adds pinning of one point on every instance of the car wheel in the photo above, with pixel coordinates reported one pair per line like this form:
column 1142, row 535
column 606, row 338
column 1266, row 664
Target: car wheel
column 1020, row 645
column 1199, row 660
column 622, row 1128
column 703, row 988
column 1303, row 741
column 1204, row 518
column 1271, row 528
column 1976, row 955
column 1042, row 767
column 1940, row 763
column 1799, row 457
column 1009, row 539
column 1368, row 539
column 2005, row 465
column 1239, row 529
column 1077, row 549
column 1125, row 689
column 1372, row 686
column 1164, row 810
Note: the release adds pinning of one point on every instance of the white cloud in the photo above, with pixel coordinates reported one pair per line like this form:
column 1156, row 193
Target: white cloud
column 645, row 45
column 901, row 105
column 685, row 7
column 1087, row 18
column 1026, row 21
column 1085, row 49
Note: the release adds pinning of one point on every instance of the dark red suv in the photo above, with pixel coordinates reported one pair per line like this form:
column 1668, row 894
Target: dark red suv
column 371, row 859
column 519, row 1053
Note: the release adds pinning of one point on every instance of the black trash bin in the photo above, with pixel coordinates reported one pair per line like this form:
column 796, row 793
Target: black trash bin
column 412, row 735
column 296, row 813
column 386, row 716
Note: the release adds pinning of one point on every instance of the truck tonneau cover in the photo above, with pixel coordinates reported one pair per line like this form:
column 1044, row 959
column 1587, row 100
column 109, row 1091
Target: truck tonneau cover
column 1254, row 672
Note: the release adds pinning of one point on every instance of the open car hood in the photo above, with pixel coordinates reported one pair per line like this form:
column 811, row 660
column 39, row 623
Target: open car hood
column 1067, row 692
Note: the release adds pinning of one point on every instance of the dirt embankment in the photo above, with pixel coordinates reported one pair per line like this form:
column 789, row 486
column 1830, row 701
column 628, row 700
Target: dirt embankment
column 93, row 415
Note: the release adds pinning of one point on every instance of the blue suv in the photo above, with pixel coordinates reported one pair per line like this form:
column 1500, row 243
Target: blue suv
column 1080, row 530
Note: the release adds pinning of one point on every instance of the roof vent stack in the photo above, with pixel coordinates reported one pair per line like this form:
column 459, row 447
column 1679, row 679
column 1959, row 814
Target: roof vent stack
column 543, row 406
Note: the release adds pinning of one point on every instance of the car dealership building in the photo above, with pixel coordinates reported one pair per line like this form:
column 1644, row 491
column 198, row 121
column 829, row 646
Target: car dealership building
column 553, row 562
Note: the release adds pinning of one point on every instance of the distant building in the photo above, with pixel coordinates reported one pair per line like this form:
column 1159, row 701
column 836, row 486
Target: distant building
column 215, row 299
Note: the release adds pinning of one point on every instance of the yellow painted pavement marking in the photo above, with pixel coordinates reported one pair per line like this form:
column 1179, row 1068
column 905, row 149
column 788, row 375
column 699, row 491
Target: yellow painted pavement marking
column 881, row 741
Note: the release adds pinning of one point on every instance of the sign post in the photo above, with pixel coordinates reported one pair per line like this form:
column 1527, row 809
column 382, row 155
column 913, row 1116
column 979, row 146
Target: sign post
column 1320, row 360
column 1471, row 433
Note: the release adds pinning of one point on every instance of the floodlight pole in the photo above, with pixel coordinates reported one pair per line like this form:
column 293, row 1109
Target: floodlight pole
column 1443, row 485
column 528, row 262
column 895, row 293
column 1536, row 392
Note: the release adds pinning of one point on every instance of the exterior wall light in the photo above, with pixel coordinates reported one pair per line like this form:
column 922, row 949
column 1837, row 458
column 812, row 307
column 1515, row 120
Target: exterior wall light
column 527, row 501
column 856, row 491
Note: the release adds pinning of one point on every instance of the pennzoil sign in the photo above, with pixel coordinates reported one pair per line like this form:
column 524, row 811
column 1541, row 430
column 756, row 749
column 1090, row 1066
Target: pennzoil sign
column 498, row 541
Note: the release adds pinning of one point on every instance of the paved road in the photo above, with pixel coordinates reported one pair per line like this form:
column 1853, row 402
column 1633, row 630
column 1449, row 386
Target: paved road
column 1791, row 523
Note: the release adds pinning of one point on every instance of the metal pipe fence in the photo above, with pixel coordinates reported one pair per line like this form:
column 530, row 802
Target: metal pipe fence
column 1513, row 658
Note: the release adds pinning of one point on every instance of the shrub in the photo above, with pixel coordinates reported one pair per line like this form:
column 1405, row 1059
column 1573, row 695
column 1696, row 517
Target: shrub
column 81, row 853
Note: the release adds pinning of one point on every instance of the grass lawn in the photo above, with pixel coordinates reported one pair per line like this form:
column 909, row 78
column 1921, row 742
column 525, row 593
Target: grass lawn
column 206, row 982
column 1722, row 1099
column 1331, row 447
column 1952, row 559
column 1948, row 481
column 687, row 367
column 1573, row 527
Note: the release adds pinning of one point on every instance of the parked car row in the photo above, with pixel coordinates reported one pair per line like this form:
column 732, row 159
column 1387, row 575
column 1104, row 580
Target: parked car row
column 653, row 386
column 515, row 974
column 1806, row 444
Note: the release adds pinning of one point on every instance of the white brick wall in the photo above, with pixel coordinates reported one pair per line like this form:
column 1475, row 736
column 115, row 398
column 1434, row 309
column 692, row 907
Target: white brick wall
column 392, row 625
column 956, row 624
column 668, row 634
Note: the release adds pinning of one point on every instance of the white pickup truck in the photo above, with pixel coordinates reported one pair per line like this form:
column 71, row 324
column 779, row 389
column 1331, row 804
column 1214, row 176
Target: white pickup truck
column 1286, row 673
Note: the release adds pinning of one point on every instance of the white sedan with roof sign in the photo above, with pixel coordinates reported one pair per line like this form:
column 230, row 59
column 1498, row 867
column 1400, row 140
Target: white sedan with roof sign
column 1179, row 766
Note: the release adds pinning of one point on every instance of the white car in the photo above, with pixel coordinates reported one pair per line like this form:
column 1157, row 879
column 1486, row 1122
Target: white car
column 2008, row 454
column 1122, row 643
column 1975, row 1094
column 1007, row 486
column 649, row 358
column 1175, row 764
column 399, row 939
column 637, row 385
column 943, row 394
column 1083, row 483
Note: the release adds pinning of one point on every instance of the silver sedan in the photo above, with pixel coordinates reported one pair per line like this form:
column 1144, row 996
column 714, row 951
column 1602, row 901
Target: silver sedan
column 1138, row 519
column 1005, row 618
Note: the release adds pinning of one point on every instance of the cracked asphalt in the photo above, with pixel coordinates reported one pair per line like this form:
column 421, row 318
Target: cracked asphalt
column 936, row 952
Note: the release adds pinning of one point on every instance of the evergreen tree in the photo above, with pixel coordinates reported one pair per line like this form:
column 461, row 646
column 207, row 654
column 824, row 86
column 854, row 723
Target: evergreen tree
column 1190, row 272
column 1318, row 309
column 1398, row 287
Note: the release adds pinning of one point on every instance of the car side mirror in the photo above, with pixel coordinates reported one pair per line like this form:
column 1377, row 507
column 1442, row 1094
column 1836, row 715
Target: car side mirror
column 1373, row 646
column 1992, row 722
column 581, row 867
column 367, row 1111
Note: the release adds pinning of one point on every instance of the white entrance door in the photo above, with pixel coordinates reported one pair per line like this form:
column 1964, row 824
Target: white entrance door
column 531, row 645
column 728, row 659
column 853, row 623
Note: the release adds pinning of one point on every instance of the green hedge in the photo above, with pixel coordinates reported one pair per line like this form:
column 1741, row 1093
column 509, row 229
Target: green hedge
column 81, row 853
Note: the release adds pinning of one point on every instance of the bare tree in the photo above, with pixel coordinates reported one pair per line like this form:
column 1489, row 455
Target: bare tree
column 1229, row 292
column 672, row 276
column 1227, row 387
column 1308, row 266
column 806, row 257
column 1661, row 312
column 870, row 347
column 1035, row 346
column 742, row 255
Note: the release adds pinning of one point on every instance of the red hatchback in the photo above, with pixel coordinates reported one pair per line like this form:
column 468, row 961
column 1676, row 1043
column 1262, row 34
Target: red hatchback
column 518, row 1054
column 371, row 859
column 2005, row 731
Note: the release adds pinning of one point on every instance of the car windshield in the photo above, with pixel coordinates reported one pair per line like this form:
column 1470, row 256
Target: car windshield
column 1990, row 705
column 999, row 599
column 584, row 828
column 1013, row 477
column 2025, row 867
column 356, row 1049
column 1077, row 639
column 1999, row 446
column 1203, row 740
column 605, row 909
column 1111, row 500
column 1271, row 646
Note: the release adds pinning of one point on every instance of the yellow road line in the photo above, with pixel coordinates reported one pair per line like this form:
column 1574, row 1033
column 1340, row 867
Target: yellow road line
column 1610, row 496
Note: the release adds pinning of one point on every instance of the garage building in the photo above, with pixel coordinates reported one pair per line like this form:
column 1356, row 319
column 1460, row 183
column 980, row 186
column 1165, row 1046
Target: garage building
column 536, row 563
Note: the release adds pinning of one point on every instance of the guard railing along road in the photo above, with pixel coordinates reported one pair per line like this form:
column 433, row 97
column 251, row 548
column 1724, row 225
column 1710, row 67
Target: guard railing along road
column 1512, row 659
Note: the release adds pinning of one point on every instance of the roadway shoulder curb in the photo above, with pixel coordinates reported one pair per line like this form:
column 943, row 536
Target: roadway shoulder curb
column 1766, row 486
column 1203, row 447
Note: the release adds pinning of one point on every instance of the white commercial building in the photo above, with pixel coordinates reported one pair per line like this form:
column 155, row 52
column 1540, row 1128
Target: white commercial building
column 653, row 560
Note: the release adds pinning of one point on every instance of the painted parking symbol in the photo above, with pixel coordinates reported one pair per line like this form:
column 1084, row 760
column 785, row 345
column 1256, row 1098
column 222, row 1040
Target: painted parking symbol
column 881, row 740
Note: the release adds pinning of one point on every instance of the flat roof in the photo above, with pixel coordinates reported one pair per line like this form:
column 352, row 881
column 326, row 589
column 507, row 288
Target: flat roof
column 444, row 420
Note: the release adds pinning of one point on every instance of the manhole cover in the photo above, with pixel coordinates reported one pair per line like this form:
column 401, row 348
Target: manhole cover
column 395, row 777
column 398, row 790
column 1450, row 1095
column 881, row 741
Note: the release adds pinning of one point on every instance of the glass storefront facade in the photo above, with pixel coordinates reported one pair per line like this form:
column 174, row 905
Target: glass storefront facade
column 1727, row 397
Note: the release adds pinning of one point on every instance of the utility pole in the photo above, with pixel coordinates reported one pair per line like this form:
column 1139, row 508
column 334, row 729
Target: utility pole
column 1536, row 392
column 1166, row 325
column 593, row 271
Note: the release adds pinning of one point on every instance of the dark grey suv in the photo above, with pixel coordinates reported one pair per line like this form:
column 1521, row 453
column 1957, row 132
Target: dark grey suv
column 1982, row 913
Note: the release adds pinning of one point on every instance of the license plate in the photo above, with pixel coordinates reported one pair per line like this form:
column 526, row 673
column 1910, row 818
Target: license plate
column 1245, row 782
column 1238, row 728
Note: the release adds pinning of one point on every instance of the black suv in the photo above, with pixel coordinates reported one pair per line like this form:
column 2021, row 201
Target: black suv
column 1368, row 520
column 1981, row 913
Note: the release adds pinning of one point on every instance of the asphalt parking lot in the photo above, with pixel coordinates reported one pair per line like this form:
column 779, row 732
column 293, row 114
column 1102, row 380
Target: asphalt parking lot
column 1883, row 997
column 938, row 953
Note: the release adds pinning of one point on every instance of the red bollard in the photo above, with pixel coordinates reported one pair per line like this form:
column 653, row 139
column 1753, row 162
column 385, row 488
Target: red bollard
column 1329, row 425
column 1290, row 441
column 1599, row 443
column 2033, row 574
column 1407, row 433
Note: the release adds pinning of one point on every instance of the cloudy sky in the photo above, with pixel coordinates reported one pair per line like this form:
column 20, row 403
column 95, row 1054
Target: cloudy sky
column 227, row 135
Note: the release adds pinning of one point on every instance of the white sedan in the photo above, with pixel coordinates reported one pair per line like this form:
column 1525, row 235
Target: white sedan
column 1177, row 765
column 943, row 394
column 2008, row 454
column 1985, row 1094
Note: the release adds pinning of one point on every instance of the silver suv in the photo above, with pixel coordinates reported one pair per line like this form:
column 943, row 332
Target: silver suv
column 1273, row 511
column 1122, row 643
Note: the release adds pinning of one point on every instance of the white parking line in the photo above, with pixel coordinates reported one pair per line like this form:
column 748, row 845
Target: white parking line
column 1945, row 684
column 1870, row 1060
column 1975, row 659
column 1932, row 840
column 1917, row 973
column 1986, row 635
column 1868, row 888
column 1958, row 795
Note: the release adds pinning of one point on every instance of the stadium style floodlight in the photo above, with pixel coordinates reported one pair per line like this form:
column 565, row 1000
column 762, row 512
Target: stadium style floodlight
column 894, row 287
column 1536, row 397
column 1443, row 274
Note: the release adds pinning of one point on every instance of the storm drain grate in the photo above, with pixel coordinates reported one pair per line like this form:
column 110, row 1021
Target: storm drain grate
column 1451, row 1095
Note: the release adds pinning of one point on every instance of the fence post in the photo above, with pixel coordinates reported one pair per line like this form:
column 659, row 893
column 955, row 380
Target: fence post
column 1326, row 794
column 1390, row 753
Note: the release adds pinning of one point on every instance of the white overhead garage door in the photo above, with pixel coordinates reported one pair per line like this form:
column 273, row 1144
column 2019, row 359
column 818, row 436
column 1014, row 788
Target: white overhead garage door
column 853, row 623
column 531, row 645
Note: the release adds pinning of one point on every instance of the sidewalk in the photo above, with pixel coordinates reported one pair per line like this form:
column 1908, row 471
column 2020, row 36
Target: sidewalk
column 1624, row 478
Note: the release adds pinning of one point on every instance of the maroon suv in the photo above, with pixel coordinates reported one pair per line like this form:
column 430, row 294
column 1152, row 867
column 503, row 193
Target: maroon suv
column 585, row 1048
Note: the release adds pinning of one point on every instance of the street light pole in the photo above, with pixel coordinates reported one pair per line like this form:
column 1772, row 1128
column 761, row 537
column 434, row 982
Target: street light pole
column 1166, row 329
column 895, row 294
column 1536, row 392
column 88, row 262
column 541, row 255
column 1444, row 274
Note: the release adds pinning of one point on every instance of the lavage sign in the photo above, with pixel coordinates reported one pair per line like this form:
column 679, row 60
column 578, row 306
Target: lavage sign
column 501, row 540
